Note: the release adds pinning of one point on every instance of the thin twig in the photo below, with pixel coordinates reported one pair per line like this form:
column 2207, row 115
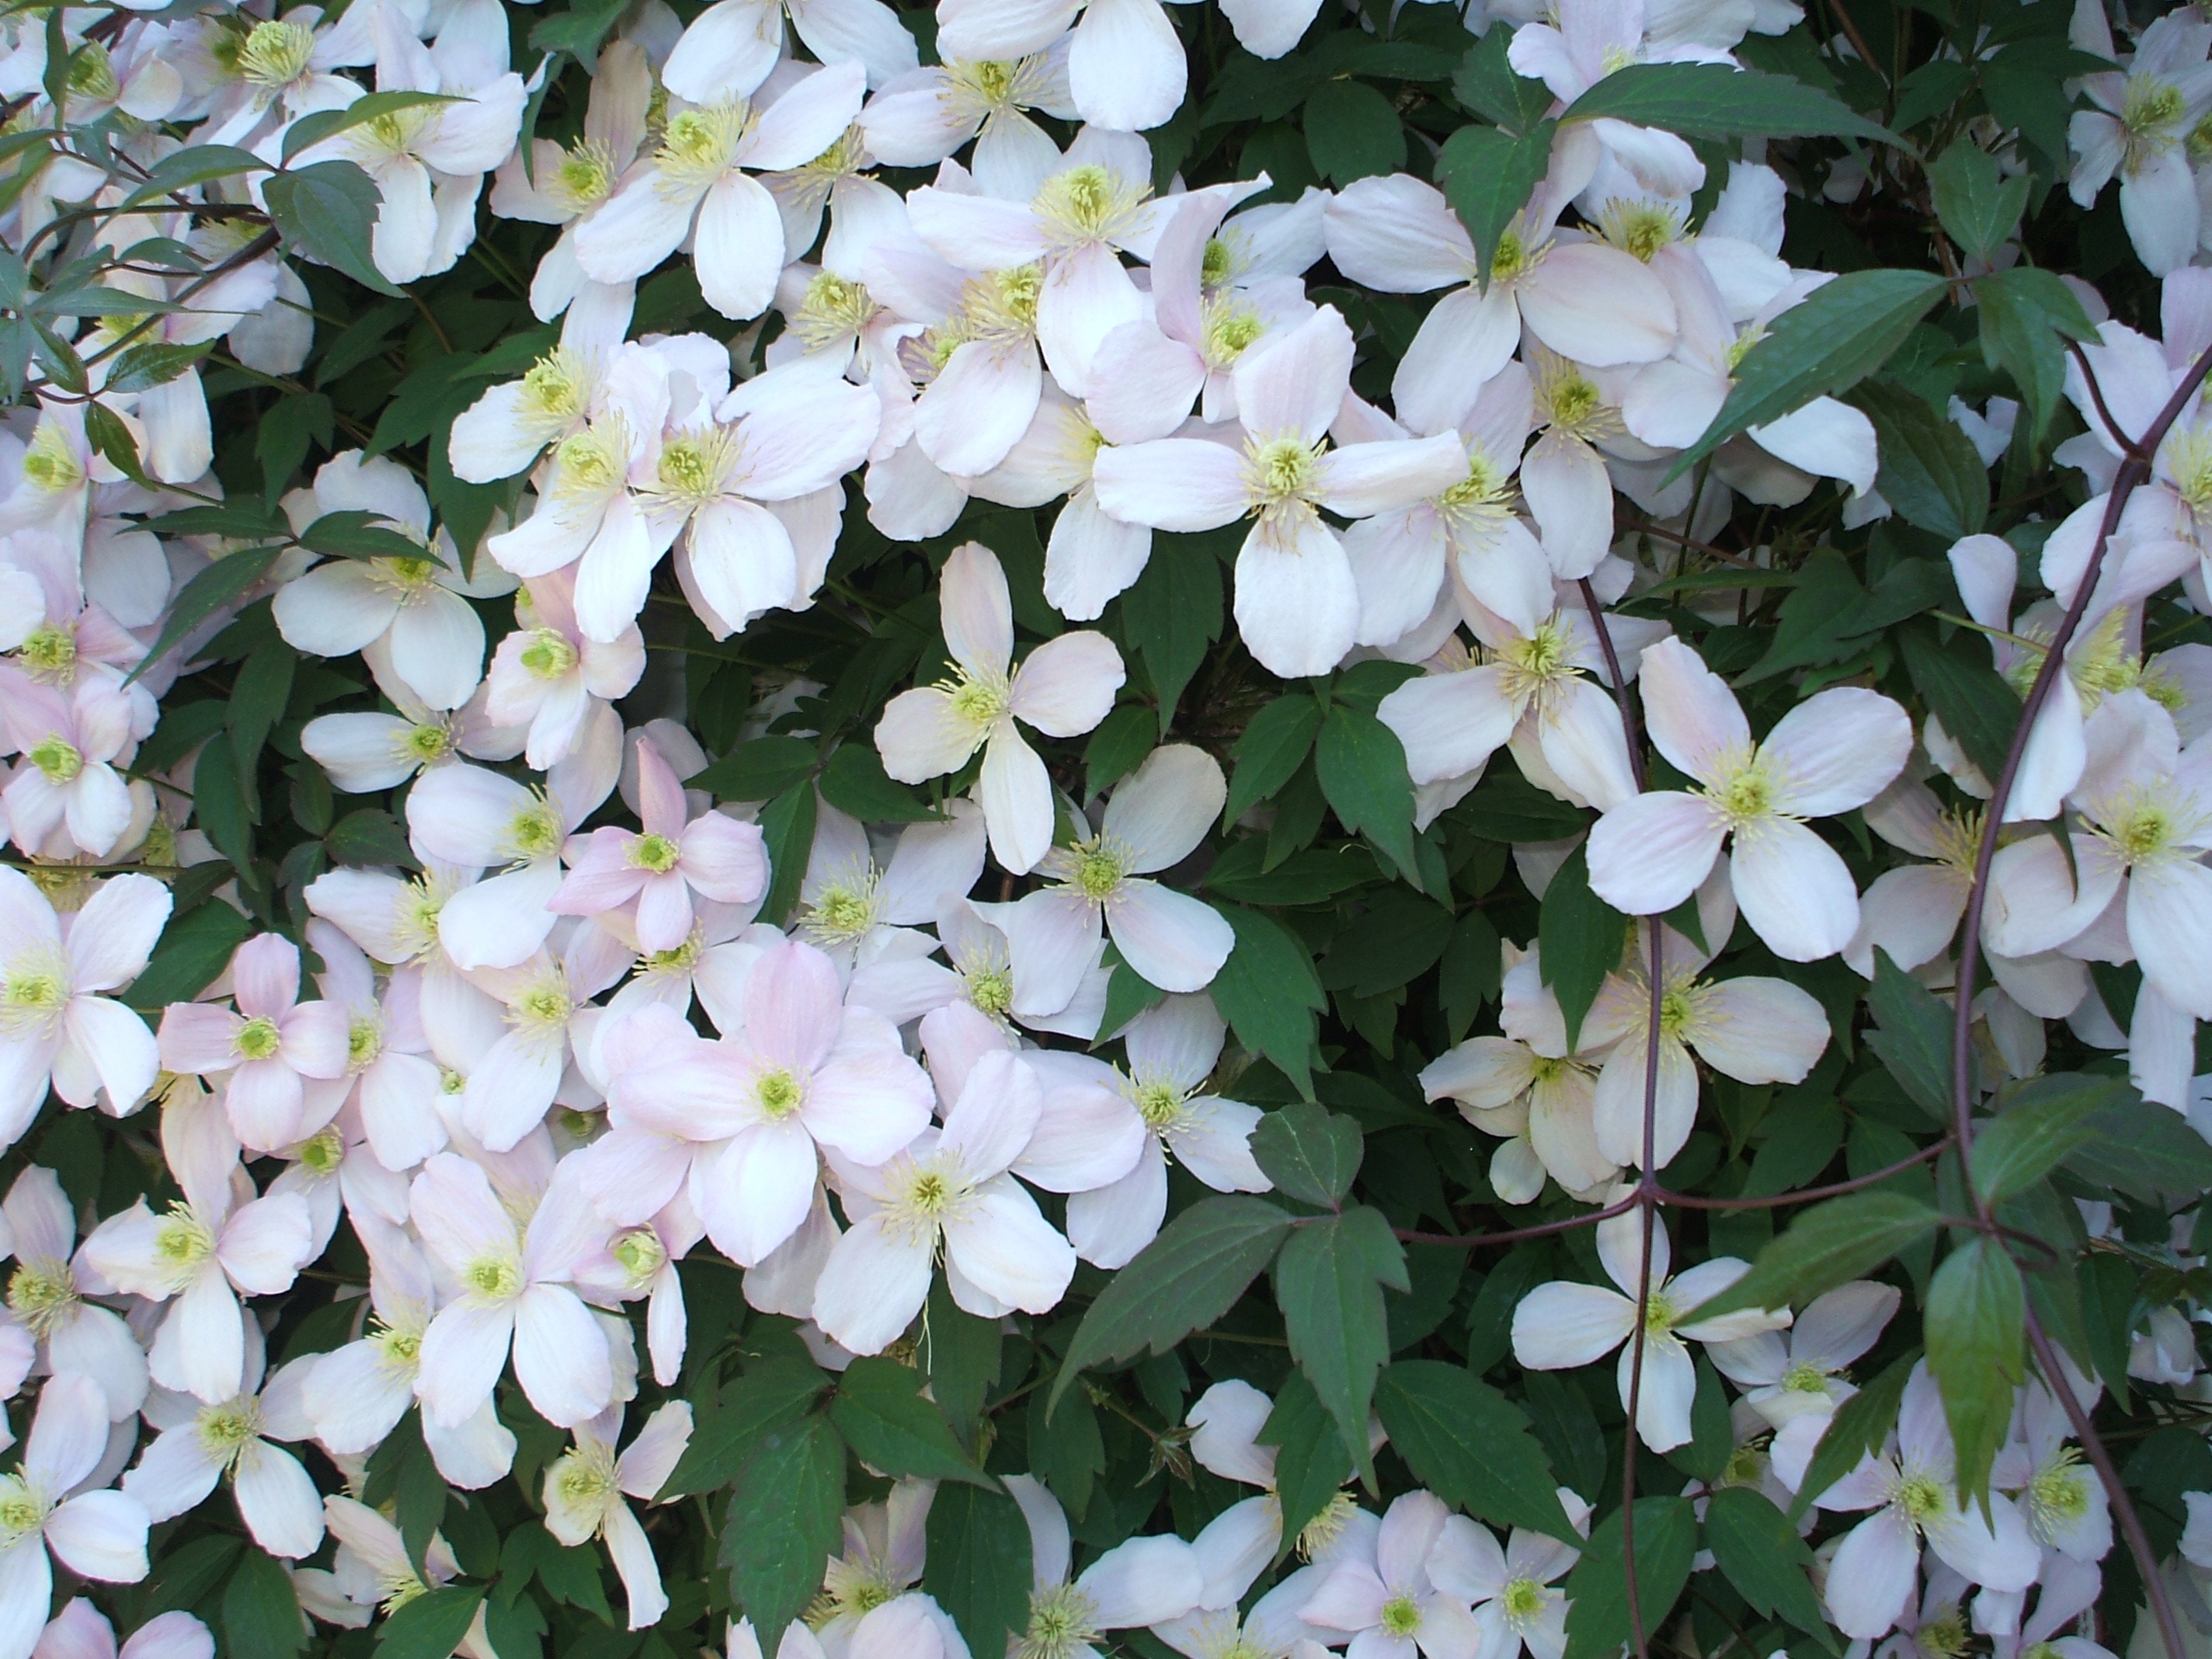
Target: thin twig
column 1518, row 1235
column 1809, row 1194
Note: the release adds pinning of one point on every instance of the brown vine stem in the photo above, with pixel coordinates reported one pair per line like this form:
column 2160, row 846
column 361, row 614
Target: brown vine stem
column 1648, row 1194
column 1809, row 1194
column 1482, row 1241
column 2133, row 471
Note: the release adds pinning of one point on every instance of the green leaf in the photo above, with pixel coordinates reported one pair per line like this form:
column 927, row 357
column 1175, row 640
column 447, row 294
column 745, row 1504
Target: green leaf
column 961, row 1351
column 2044, row 1123
column 1860, row 1426
column 2026, row 316
column 1975, row 1324
column 1581, row 937
column 201, row 164
column 1304, row 878
column 1712, row 100
column 1268, row 993
column 1470, row 1445
column 1128, row 993
column 1487, row 84
column 1597, row 1589
column 370, row 836
column 1977, row 205
column 104, row 429
column 1828, row 1245
column 757, row 770
column 1309, row 1151
column 1912, row 1035
column 260, row 1612
column 1117, row 748
column 1971, row 699
column 1188, row 1277
column 258, row 696
column 1362, row 768
column 1487, row 176
column 354, row 534
column 773, row 1395
column 792, row 1495
column 326, row 212
column 853, row 781
column 879, row 1410
column 1930, row 471
column 140, row 368
column 1353, row 131
column 194, row 950
column 1329, row 1281
column 1844, row 332
column 578, row 30
column 1311, row 1463
column 428, row 1627
column 220, row 801
column 1755, row 1546
column 2149, row 1153
column 1066, row 1451
column 788, row 827
column 313, row 129
column 1280, row 737
column 1173, row 613
column 222, row 583
column 977, row 1548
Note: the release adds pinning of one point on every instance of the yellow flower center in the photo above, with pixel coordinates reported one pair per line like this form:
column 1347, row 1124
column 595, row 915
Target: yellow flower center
column 835, row 308
column 58, row 758
column 1062, row 1622
column 553, row 391
column 1085, row 204
column 640, row 1255
column 657, row 853
column 585, row 175
column 1402, row 1616
column 696, row 147
column 42, row 1294
column 276, row 54
column 1282, row 469
column 779, row 1094
column 991, row 990
column 324, row 1152
column 258, row 1039
column 535, row 831
column 549, row 656
column 493, row 1277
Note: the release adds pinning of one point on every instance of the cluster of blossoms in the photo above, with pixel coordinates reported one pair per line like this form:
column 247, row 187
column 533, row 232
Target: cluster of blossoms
column 601, row 1015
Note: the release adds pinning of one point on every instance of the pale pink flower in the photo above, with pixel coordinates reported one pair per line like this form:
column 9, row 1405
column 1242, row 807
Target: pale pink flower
column 47, row 1294
column 197, row 1444
column 79, row 1631
column 547, row 674
column 271, row 1047
column 585, row 1488
column 1386, row 1598
column 1833, row 752
column 97, row 1534
column 68, row 796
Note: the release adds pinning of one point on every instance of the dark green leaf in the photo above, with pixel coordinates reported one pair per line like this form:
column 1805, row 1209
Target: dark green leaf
column 314, row 128
column 1860, row 1426
column 1329, row 1281
column 1268, row 993
column 360, row 534
column 1066, row 1451
column 578, row 30
column 2026, row 317
column 1912, row 1035
column 2042, row 1124
column 257, row 697
column 1487, row 84
column 792, row 1495
column 1977, row 1314
column 1311, row 1462
column 1310, row 1153
column 1582, row 938
column 370, row 836
column 1828, row 1245
column 1842, row 333
column 327, row 212
column 757, row 770
column 788, row 827
column 260, row 1612
column 1968, row 695
column 853, row 781
column 428, row 1627
column 140, row 368
column 962, row 1352
column 1186, row 1278
column 1471, row 1445
column 1755, row 1546
column 1117, row 748
column 773, row 1395
column 1487, row 176
column 879, row 1410
column 1976, row 204
column 220, row 801
column 1597, row 1589
column 1712, row 100
column 1362, row 768
column 1280, row 737
column 2149, row 1153
column 1930, row 472
column 978, row 1551
column 1173, row 613
column 200, row 164
column 1353, row 131
column 194, row 950
column 222, row 583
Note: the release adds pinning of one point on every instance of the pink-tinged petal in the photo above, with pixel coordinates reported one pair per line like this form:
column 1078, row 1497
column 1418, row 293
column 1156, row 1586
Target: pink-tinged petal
column 724, row 859
column 68, row 1436
column 1837, row 751
column 792, row 1007
column 1066, row 685
column 1598, row 306
column 1015, row 792
column 1003, row 1247
column 1794, row 891
column 1397, row 233
column 688, row 1091
column 2170, row 925
column 510, row 1088
column 1174, row 941
column 869, row 1098
column 760, row 1187
column 99, row 1535
column 1570, row 494
column 199, row 1038
column 116, row 1047
column 2001, row 1557
column 278, row 1500
column 1360, row 480
column 1662, row 1402
column 463, row 1353
column 1649, row 854
column 1451, row 724
column 111, row 938
column 920, row 738
column 1695, row 720
column 1759, row 1030
column 315, row 1038
column 560, row 1356
column 1561, row 1326
column 1291, row 384
column 265, row 974
column 1126, row 65
column 663, row 916
column 1172, row 484
column 264, row 1245
column 978, row 613
column 264, row 1099
column 1296, row 605
column 458, row 1215
column 974, row 413
column 873, row 1286
column 1617, row 1105
column 201, row 1346
column 1162, row 811
column 2040, row 898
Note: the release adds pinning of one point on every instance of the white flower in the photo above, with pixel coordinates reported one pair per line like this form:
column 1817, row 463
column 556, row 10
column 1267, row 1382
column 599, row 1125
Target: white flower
column 1155, row 819
column 203, row 1251
column 1064, row 688
column 78, row 1632
column 1141, row 1581
column 1515, row 1602
column 1126, row 70
column 1542, row 1105
column 1785, row 1378
column 1833, row 752
column 54, row 1025
column 2139, row 130
column 46, row 1295
column 96, row 1535
column 585, row 1486
column 198, row 1443
column 1561, row 1326
column 1388, row 1598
